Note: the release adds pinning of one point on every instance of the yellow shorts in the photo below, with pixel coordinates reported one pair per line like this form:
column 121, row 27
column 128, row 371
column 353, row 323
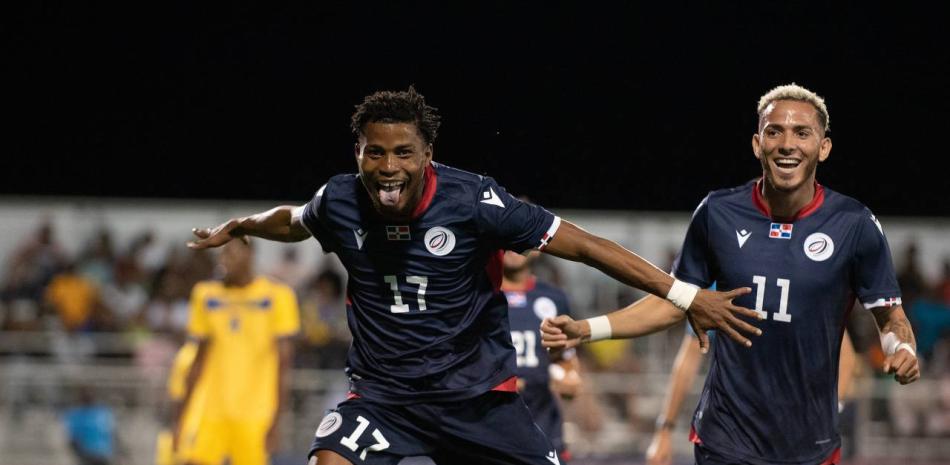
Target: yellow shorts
column 244, row 442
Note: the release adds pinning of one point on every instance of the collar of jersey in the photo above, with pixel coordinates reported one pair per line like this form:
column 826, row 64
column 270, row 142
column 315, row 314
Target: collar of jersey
column 808, row 209
column 428, row 191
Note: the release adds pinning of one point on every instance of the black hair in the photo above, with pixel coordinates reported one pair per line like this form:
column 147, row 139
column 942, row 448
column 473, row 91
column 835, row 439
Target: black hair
column 406, row 106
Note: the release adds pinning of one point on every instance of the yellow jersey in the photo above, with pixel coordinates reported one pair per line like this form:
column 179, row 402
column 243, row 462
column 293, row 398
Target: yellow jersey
column 242, row 326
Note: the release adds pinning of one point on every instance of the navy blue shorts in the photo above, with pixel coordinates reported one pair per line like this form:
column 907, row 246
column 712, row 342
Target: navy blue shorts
column 493, row 428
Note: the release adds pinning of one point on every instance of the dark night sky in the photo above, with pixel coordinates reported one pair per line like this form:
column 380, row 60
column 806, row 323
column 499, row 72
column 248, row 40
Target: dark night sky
column 619, row 107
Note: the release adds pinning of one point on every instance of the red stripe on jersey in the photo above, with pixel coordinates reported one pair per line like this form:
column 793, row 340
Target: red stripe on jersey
column 508, row 385
column 834, row 459
column 495, row 269
column 352, row 395
column 693, row 437
column 428, row 192
column 763, row 207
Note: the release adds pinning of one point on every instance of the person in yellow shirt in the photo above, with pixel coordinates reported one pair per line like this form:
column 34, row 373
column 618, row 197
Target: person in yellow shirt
column 166, row 452
column 244, row 327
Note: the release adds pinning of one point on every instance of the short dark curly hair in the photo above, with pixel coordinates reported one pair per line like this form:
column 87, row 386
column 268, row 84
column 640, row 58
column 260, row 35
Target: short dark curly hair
column 406, row 106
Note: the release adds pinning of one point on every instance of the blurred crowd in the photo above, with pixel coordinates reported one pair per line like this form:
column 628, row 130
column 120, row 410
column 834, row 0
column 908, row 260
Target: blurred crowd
column 141, row 290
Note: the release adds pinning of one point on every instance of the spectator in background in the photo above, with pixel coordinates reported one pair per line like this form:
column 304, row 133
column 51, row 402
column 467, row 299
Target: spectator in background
column 74, row 299
column 289, row 270
column 33, row 264
column 97, row 261
column 326, row 338
column 943, row 288
column 125, row 296
column 910, row 279
column 91, row 429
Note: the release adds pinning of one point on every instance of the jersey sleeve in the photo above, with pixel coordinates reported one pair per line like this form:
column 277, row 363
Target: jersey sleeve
column 563, row 304
column 180, row 368
column 692, row 263
column 286, row 314
column 312, row 217
column 511, row 223
column 198, row 325
column 873, row 278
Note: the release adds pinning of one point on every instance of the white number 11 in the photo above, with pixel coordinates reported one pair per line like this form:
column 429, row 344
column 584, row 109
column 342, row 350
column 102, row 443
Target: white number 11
column 782, row 314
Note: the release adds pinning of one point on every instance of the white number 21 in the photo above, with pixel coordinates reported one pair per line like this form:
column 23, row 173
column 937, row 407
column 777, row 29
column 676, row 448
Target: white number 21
column 782, row 314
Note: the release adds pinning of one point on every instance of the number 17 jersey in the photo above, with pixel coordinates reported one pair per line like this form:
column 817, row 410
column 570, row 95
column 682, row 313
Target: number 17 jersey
column 776, row 402
column 423, row 302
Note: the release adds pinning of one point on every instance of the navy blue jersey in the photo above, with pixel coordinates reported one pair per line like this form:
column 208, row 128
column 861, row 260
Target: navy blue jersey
column 777, row 401
column 527, row 308
column 424, row 307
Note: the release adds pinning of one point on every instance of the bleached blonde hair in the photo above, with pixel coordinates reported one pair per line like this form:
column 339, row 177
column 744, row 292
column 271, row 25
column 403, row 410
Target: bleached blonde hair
column 796, row 92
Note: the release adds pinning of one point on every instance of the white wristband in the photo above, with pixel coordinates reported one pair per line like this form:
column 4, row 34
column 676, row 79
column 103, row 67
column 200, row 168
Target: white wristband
column 682, row 294
column 890, row 344
column 907, row 347
column 599, row 328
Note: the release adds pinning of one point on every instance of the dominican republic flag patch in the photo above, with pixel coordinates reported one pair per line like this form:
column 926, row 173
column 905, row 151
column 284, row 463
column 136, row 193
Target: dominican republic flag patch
column 516, row 299
column 397, row 233
column 780, row 231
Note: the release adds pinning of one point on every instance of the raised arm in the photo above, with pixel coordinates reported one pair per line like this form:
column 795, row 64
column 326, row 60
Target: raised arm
column 281, row 224
column 706, row 309
column 900, row 347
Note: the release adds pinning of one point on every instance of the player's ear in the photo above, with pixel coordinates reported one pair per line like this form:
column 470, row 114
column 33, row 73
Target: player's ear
column 356, row 151
column 756, row 146
column 824, row 149
column 429, row 151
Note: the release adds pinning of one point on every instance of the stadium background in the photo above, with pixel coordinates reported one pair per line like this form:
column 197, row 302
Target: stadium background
column 138, row 119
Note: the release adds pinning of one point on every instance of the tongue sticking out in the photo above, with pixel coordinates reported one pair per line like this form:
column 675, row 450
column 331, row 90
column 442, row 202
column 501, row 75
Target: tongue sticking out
column 389, row 198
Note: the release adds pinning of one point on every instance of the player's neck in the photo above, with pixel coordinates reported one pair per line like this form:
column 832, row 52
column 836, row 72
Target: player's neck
column 516, row 280
column 239, row 280
column 786, row 204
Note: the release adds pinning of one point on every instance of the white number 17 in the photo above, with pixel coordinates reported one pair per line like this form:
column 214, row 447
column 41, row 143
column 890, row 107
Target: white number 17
column 400, row 307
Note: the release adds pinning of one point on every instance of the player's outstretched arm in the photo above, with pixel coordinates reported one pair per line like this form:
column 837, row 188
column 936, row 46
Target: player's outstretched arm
column 900, row 346
column 707, row 309
column 645, row 316
column 277, row 224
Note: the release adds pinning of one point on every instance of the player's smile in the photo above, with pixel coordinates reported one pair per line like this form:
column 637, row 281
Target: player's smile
column 786, row 167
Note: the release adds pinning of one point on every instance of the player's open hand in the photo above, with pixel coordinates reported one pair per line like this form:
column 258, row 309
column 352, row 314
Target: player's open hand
column 213, row 237
column 561, row 333
column 904, row 365
column 715, row 310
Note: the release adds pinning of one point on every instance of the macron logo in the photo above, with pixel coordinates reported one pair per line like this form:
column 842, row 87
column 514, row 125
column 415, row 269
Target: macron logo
column 552, row 457
column 491, row 198
column 742, row 236
column 360, row 237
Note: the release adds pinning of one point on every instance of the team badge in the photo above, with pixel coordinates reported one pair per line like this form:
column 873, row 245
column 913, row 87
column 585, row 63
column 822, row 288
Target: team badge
column 818, row 247
column 439, row 241
column 545, row 308
column 332, row 422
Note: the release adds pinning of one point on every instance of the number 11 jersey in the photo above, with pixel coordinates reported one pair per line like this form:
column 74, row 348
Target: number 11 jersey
column 776, row 402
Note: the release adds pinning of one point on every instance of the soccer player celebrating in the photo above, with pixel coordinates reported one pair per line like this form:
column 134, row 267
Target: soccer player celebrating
column 244, row 325
column 808, row 251
column 432, row 364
